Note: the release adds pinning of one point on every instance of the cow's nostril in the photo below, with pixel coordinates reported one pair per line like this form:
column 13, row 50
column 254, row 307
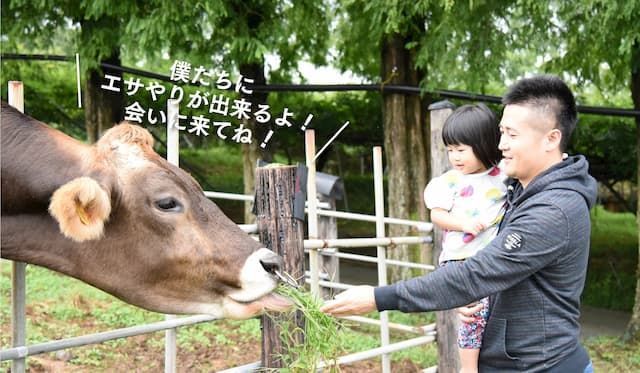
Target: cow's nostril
column 272, row 263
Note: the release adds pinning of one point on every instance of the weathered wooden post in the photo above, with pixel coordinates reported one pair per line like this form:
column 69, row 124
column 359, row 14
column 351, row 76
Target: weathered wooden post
column 446, row 321
column 281, row 232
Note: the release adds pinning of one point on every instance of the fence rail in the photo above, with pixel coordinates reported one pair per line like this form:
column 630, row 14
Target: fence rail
column 373, row 259
column 61, row 344
column 364, row 242
column 422, row 226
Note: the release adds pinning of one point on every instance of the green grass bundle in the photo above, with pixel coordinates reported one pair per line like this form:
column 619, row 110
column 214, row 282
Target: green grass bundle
column 321, row 334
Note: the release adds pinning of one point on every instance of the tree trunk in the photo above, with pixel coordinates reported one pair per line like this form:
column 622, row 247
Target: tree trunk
column 419, row 140
column 633, row 329
column 251, row 152
column 405, row 147
column 102, row 108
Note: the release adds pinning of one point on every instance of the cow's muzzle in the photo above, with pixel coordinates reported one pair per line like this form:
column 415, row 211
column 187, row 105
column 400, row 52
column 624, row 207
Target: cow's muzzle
column 258, row 276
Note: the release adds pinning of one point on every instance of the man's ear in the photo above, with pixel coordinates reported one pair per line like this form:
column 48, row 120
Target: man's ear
column 81, row 208
column 552, row 139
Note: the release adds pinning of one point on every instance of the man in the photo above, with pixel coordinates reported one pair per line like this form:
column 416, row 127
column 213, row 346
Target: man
column 534, row 270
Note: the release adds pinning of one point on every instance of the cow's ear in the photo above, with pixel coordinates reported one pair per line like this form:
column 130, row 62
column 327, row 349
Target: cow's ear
column 81, row 208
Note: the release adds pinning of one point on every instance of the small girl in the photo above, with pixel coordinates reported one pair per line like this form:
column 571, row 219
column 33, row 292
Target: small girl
column 467, row 203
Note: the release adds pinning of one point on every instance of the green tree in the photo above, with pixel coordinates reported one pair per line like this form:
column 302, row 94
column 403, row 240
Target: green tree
column 61, row 112
column 231, row 35
column 372, row 41
column 609, row 145
column 95, row 26
column 431, row 43
column 600, row 43
column 330, row 111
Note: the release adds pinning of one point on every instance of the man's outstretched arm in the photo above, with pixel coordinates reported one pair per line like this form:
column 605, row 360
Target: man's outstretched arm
column 532, row 239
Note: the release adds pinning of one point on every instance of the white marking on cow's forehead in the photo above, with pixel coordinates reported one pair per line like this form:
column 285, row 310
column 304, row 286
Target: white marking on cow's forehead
column 129, row 156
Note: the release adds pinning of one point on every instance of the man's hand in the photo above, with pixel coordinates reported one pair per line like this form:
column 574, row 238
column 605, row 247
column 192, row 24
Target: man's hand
column 474, row 227
column 466, row 313
column 355, row 301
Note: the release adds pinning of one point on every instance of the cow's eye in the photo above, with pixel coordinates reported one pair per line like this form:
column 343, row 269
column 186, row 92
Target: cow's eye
column 169, row 204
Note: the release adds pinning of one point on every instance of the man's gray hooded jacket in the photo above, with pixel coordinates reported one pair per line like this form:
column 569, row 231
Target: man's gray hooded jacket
column 533, row 271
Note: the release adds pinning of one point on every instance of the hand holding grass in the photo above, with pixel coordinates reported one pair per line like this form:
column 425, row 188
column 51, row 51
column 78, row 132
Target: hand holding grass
column 320, row 333
column 355, row 301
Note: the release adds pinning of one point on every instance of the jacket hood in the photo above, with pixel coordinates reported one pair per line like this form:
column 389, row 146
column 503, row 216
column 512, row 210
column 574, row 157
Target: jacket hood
column 570, row 174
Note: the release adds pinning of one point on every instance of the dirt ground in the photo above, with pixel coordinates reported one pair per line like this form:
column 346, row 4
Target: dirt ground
column 142, row 354
column 200, row 360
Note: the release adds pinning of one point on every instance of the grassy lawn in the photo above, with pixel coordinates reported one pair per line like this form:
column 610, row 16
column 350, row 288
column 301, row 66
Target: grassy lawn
column 612, row 260
column 61, row 307
column 609, row 354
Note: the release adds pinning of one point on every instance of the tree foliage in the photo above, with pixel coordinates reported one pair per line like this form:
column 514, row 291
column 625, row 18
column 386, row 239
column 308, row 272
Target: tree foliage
column 228, row 34
column 330, row 111
column 608, row 144
column 92, row 25
column 596, row 40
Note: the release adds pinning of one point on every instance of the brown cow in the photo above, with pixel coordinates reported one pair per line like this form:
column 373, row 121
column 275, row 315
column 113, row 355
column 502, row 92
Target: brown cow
column 118, row 216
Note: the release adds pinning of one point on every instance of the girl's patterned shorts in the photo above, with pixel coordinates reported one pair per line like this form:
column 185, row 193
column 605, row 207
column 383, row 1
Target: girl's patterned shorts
column 470, row 334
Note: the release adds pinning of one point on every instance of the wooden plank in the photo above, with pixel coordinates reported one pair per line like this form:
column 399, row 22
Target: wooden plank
column 283, row 234
column 446, row 321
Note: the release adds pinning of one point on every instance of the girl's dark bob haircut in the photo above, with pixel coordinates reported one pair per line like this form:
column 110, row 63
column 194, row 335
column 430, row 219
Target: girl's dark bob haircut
column 475, row 126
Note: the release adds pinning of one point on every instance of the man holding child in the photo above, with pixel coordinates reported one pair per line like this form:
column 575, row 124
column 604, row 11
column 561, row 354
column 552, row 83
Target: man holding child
column 534, row 270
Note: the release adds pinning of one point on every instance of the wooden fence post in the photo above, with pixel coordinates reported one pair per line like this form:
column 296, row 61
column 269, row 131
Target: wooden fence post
column 446, row 321
column 281, row 232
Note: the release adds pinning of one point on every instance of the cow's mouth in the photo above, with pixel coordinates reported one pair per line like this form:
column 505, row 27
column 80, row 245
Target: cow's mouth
column 274, row 302
column 257, row 277
column 243, row 310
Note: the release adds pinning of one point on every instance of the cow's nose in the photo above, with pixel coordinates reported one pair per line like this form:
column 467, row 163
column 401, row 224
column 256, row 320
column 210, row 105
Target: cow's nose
column 272, row 263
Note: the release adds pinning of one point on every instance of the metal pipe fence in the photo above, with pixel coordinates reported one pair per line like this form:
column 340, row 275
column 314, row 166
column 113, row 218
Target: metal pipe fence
column 373, row 259
column 422, row 226
column 364, row 242
column 21, row 352
column 383, row 350
column 18, row 269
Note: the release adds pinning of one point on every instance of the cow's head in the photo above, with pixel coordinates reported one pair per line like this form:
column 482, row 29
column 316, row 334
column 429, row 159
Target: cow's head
column 146, row 233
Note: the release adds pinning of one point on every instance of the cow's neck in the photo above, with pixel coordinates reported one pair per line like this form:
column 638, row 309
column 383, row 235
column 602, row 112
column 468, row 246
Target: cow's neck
column 35, row 239
column 48, row 159
column 45, row 246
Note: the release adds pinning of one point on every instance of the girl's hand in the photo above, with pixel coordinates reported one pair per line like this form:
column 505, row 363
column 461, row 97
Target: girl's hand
column 474, row 227
column 465, row 313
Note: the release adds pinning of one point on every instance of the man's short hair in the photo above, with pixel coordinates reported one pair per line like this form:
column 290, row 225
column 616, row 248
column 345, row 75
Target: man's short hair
column 547, row 93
